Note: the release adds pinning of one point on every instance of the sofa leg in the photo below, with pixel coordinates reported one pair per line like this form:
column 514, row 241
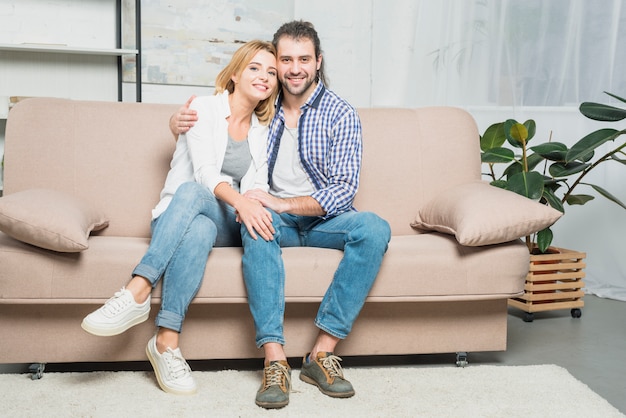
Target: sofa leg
column 461, row 359
column 37, row 370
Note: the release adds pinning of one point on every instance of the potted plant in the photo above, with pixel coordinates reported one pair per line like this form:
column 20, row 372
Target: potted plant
column 550, row 173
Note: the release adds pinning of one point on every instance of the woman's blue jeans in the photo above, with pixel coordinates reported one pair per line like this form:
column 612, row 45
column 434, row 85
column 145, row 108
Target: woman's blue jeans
column 182, row 238
column 363, row 237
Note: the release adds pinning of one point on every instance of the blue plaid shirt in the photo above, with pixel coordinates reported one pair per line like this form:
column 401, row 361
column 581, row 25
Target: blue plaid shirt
column 330, row 147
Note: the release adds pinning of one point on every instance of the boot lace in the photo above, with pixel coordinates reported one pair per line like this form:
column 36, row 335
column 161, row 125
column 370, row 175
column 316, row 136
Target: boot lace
column 332, row 365
column 276, row 374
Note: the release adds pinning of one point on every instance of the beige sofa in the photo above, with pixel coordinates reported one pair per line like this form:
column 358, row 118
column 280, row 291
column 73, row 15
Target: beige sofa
column 433, row 294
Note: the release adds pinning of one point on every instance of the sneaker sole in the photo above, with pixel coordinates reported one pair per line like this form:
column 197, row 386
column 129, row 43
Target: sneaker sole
column 272, row 405
column 311, row 381
column 108, row 332
column 160, row 382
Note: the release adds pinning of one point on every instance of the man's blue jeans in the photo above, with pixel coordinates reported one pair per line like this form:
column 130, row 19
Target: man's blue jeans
column 363, row 237
column 182, row 238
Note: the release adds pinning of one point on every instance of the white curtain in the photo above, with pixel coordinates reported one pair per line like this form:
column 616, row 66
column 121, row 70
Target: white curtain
column 497, row 52
column 499, row 59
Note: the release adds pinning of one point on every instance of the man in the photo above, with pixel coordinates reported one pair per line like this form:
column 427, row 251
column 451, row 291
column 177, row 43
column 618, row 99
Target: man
column 314, row 158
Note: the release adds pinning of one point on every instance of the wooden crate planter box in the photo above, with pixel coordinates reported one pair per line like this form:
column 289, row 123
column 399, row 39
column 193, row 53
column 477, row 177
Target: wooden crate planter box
column 554, row 281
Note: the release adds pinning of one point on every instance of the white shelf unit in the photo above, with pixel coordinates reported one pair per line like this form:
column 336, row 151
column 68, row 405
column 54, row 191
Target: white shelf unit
column 64, row 49
column 25, row 64
column 35, row 68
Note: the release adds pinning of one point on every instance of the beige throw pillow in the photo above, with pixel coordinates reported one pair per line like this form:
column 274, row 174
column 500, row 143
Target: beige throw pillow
column 50, row 219
column 480, row 214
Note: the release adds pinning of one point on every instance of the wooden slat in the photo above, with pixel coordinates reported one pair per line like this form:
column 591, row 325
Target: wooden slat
column 564, row 254
column 542, row 307
column 576, row 265
column 539, row 287
column 555, row 276
column 552, row 296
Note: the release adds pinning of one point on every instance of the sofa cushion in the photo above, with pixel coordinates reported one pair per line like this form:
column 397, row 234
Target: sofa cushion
column 424, row 267
column 477, row 213
column 50, row 219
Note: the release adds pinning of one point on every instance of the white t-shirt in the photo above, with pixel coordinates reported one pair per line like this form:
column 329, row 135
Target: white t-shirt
column 289, row 178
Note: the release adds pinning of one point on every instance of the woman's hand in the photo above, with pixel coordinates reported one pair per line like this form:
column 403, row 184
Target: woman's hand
column 256, row 218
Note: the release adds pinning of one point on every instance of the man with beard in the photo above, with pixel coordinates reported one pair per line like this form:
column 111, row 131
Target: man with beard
column 314, row 160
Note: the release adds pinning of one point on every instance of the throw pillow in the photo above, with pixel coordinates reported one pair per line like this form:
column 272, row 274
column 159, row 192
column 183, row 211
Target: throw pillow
column 480, row 214
column 49, row 219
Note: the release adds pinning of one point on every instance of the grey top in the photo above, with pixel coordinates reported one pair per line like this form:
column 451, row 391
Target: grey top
column 236, row 160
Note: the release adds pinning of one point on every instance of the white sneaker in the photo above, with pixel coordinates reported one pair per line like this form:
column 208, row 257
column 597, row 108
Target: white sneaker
column 117, row 315
column 172, row 371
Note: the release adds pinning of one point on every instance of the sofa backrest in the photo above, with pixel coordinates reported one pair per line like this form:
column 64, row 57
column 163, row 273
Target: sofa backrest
column 116, row 156
column 410, row 155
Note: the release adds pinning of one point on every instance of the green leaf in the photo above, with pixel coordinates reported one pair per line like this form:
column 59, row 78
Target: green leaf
column 560, row 170
column 606, row 194
column 615, row 97
column 549, row 147
column 531, row 127
column 533, row 160
column 529, row 185
column 493, row 137
column 554, row 151
column 602, row 112
column 578, row 199
column 544, row 239
column 552, row 184
column 497, row 155
column 552, row 199
column 499, row 183
column 515, row 133
column 513, row 169
column 590, row 143
column 619, row 160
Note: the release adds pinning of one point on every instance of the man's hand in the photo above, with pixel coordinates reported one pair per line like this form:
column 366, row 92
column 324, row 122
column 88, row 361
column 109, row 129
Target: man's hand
column 267, row 200
column 301, row 206
column 183, row 119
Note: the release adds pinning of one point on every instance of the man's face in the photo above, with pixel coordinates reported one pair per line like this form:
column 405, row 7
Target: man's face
column 297, row 66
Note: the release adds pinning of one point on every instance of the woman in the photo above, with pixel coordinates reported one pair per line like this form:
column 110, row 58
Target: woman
column 202, row 205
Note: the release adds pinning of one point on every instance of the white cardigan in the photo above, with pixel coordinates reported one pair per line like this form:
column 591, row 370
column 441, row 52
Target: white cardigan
column 200, row 152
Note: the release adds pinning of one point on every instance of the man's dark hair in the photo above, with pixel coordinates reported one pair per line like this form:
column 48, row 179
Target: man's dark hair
column 299, row 29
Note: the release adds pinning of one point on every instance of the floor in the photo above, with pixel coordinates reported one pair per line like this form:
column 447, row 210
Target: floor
column 590, row 348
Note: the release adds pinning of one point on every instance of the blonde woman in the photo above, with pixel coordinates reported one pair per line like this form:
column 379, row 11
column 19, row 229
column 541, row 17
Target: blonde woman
column 202, row 206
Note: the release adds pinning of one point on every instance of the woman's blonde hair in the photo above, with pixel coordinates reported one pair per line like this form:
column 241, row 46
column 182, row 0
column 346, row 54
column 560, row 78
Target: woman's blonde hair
column 241, row 58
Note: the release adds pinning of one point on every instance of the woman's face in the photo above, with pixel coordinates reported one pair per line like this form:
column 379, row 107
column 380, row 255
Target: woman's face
column 259, row 78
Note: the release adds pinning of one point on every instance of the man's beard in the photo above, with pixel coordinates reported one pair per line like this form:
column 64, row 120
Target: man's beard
column 297, row 91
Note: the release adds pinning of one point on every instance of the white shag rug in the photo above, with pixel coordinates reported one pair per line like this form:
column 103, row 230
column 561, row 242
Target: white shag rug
column 409, row 391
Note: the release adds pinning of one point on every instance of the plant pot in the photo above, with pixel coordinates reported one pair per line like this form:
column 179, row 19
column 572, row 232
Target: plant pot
column 554, row 281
